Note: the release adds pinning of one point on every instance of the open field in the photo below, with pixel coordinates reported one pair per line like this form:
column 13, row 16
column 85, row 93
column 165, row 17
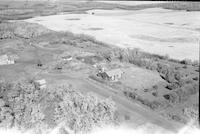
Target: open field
column 49, row 73
column 19, row 10
column 133, row 2
column 156, row 30
column 175, row 5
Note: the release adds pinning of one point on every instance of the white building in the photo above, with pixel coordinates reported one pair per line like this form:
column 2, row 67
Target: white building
column 113, row 75
column 41, row 83
column 6, row 60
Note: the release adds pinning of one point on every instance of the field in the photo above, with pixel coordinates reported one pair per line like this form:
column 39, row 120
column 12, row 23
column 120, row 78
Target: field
column 176, row 37
column 66, row 46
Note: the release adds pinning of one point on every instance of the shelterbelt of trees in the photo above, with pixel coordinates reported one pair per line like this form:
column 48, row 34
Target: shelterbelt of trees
column 25, row 106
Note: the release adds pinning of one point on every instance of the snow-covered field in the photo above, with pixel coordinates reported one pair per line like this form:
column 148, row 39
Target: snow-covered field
column 154, row 30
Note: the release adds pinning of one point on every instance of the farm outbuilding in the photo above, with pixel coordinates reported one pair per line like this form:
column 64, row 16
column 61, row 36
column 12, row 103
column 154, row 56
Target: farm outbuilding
column 41, row 83
column 113, row 75
column 67, row 58
column 6, row 60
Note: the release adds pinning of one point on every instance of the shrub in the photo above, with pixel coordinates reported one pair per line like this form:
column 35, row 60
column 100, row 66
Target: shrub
column 4, row 87
column 168, row 73
column 130, row 94
column 188, row 81
column 155, row 94
column 155, row 87
column 186, row 62
column 195, row 63
column 21, row 29
column 192, row 88
column 29, row 30
column 152, row 105
column 166, row 57
column 146, row 90
column 171, row 97
column 177, row 118
column 162, row 68
column 107, row 55
column 185, row 66
column 197, row 70
column 155, row 105
column 151, row 65
column 182, row 95
column 133, row 56
column 172, row 86
column 6, row 35
column 177, row 76
column 191, row 112
column 133, row 96
column 169, row 77
column 196, row 78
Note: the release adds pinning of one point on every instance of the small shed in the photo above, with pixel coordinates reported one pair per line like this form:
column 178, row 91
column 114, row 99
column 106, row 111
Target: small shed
column 113, row 75
column 67, row 58
column 6, row 60
column 41, row 83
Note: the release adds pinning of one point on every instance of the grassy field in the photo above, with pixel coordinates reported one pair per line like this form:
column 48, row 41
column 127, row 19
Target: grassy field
column 24, row 10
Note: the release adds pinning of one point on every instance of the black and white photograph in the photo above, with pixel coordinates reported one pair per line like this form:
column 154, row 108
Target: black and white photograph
column 99, row 67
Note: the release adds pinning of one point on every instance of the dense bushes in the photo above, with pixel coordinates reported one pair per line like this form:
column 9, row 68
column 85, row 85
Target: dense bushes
column 171, row 75
column 178, row 95
column 23, row 105
column 182, row 94
column 21, row 29
column 192, row 112
column 175, row 117
column 71, row 39
column 132, row 56
column 6, row 35
column 6, row 118
column 151, row 104
column 189, row 62
column 29, row 30
column 168, row 73
column 173, row 86
column 82, row 113
column 186, row 62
